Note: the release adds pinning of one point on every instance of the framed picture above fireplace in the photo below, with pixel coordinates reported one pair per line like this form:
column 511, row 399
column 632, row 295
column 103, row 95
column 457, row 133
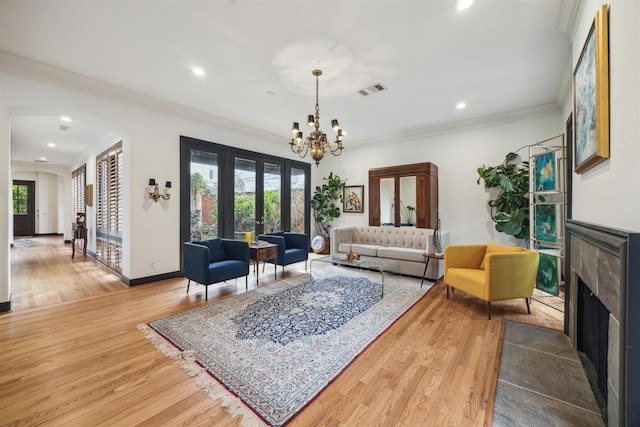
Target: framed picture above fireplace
column 591, row 97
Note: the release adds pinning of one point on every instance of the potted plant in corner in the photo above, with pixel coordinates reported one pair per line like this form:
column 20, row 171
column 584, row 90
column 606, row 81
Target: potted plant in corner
column 510, row 207
column 407, row 214
column 325, row 210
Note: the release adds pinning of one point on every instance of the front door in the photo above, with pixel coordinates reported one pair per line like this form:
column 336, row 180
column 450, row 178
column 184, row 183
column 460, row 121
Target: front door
column 24, row 218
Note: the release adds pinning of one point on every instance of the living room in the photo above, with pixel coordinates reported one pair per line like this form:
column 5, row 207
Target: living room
column 608, row 194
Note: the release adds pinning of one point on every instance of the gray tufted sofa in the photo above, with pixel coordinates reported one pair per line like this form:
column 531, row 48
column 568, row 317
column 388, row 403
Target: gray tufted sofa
column 407, row 245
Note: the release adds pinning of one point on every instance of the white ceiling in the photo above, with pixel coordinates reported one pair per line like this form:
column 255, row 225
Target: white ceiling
column 497, row 56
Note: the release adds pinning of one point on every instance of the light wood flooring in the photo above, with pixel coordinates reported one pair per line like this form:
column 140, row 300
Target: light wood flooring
column 71, row 353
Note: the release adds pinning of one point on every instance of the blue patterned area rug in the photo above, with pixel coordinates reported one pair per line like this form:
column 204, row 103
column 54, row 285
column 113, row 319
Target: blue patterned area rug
column 268, row 352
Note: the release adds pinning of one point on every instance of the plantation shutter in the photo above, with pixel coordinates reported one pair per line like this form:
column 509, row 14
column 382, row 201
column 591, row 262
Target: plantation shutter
column 109, row 167
column 78, row 182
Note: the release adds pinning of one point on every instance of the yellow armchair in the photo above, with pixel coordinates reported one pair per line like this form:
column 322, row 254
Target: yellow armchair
column 491, row 272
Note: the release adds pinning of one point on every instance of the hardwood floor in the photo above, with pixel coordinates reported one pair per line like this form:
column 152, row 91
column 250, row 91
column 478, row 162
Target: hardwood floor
column 71, row 354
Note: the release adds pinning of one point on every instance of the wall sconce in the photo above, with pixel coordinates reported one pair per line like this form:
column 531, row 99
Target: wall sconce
column 156, row 194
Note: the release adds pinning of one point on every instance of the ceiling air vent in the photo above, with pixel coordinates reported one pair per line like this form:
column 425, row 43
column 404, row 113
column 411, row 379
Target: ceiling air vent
column 378, row 87
column 40, row 161
column 64, row 127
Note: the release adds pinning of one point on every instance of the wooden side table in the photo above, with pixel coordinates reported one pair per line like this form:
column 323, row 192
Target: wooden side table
column 427, row 258
column 79, row 233
column 260, row 253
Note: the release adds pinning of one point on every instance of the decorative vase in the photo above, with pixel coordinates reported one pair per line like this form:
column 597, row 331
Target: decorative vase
column 321, row 245
column 352, row 256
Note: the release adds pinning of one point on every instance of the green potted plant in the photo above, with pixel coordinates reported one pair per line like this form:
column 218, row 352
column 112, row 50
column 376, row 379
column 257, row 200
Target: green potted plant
column 325, row 210
column 510, row 207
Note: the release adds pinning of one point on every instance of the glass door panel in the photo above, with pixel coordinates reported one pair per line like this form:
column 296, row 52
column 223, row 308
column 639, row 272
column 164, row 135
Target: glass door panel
column 244, row 198
column 298, row 205
column 203, row 198
column 272, row 199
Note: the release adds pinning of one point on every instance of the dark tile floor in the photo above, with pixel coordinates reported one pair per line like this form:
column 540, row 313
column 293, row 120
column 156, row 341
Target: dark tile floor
column 542, row 382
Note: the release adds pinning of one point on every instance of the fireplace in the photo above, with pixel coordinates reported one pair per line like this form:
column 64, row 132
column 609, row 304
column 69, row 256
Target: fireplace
column 592, row 341
column 603, row 314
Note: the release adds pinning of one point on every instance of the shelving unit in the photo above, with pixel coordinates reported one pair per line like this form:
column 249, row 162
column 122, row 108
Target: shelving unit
column 547, row 211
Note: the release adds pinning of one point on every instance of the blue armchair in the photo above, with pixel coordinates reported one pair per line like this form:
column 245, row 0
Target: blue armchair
column 213, row 261
column 292, row 247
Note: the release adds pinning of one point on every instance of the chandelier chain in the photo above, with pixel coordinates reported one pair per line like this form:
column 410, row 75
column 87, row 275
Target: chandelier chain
column 317, row 123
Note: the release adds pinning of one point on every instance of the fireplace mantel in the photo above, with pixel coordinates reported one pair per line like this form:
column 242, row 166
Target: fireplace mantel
column 608, row 261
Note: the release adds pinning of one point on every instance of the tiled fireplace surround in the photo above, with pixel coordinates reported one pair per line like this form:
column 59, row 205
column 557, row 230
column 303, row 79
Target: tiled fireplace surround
column 608, row 262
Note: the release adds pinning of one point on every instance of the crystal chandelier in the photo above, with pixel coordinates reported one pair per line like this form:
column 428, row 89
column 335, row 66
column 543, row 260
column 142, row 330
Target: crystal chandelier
column 317, row 140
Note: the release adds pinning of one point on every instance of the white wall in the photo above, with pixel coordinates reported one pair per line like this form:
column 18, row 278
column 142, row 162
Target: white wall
column 463, row 206
column 151, row 142
column 609, row 193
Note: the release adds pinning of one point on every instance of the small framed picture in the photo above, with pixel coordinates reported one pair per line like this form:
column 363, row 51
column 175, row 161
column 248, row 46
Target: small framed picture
column 88, row 195
column 549, row 272
column 353, row 198
column 545, row 166
column 546, row 216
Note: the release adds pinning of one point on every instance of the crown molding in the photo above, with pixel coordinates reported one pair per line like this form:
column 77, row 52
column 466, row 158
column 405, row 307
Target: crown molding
column 22, row 166
column 546, row 110
column 566, row 85
column 24, row 67
column 568, row 15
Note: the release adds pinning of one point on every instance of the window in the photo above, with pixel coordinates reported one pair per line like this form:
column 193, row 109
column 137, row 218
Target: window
column 78, row 183
column 109, row 170
column 233, row 192
column 20, row 200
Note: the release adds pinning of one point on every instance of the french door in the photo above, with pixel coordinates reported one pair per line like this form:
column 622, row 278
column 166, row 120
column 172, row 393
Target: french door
column 257, row 196
column 233, row 193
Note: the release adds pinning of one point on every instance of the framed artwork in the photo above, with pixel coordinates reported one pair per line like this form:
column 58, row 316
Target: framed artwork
column 546, row 172
column 353, row 198
column 591, row 97
column 88, row 195
column 546, row 222
column 548, row 274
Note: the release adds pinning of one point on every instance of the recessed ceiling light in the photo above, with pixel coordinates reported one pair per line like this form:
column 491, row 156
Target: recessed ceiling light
column 43, row 159
column 66, row 119
column 464, row 4
column 197, row 71
column 461, row 105
column 51, row 144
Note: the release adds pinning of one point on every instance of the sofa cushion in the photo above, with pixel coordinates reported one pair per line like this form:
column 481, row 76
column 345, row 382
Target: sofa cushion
column 492, row 248
column 469, row 280
column 416, row 255
column 396, row 237
column 365, row 250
